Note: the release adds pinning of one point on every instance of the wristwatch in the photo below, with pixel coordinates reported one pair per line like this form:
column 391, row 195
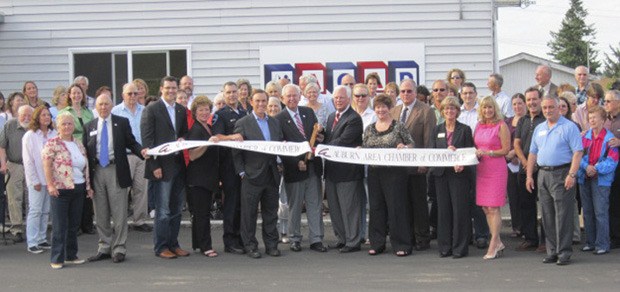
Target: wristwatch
column 572, row 175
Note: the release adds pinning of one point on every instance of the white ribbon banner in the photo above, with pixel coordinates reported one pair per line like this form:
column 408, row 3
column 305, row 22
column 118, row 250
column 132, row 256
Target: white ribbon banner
column 267, row 147
column 398, row 157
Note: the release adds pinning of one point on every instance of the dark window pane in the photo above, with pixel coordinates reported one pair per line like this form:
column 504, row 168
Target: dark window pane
column 96, row 66
column 151, row 67
column 120, row 75
column 178, row 63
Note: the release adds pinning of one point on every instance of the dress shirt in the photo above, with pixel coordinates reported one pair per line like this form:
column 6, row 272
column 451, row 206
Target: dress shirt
column 171, row 112
column 134, row 118
column 263, row 125
column 505, row 104
column 469, row 117
column 110, row 138
column 556, row 145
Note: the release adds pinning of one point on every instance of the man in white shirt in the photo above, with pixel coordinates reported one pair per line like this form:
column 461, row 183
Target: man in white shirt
column 495, row 83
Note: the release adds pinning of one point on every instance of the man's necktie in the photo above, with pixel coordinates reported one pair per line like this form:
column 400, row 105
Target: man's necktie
column 336, row 121
column 300, row 126
column 403, row 117
column 104, row 160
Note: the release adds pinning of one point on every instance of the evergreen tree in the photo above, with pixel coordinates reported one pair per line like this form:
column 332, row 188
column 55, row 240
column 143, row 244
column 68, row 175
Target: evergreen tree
column 575, row 39
column 612, row 63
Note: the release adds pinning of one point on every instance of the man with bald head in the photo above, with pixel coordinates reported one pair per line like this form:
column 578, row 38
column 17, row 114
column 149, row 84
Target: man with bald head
column 132, row 111
column 348, row 80
column 11, row 162
column 187, row 84
column 581, row 76
column 107, row 140
column 543, row 81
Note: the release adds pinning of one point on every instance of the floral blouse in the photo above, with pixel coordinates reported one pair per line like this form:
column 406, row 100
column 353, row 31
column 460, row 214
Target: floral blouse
column 62, row 169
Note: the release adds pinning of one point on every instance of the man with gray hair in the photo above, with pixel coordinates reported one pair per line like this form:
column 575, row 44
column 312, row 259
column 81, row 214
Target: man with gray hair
column 556, row 152
column 344, row 182
column 11, row 163
column 612, row 107
column 495, row 83
column 581, row 76
column 132, row 110
column 82, row 81
column 543, row 81
column 302, row 174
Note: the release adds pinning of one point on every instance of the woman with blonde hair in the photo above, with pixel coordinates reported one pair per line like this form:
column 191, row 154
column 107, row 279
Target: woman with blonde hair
column 492, row 141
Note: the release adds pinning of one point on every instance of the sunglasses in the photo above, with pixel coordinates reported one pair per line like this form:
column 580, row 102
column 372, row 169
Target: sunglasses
column 360, row 95
column 406, row 91
column 439, row 89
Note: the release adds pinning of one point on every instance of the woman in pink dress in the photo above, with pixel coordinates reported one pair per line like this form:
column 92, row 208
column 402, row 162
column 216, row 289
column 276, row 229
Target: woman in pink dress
column 492, row 141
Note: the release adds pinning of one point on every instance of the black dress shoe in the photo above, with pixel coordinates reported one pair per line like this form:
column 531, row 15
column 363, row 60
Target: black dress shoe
column 90, row 230
column 318, row 246
column 143, row 228
column 235, row 250
column 255, row 254
column 563, row 262
column 458, row 256
column 99, row 257
column 445, row 254
column 348, row 249
column 550, row 260
column 296, row 246
column 118, row 258
column 336, row 246
column 422, row 246
column 482, row 243
column 274, row 252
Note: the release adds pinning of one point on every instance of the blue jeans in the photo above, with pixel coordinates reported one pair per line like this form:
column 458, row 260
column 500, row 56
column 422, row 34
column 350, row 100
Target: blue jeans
column 66, row 218
column 168, row 206
column 38, row 215
column 595, row 203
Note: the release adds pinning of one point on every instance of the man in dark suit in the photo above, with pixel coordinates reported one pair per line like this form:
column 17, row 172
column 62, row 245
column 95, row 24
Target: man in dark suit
column 344, row 182
column 259, row 177
column 231, row 183
column 419, row 119
column 302, row 176
column 107, row 139
column 166, row 121
column 543, row 81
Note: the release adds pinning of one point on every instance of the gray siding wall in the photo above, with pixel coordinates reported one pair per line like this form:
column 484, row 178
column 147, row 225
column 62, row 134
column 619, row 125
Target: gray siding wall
column 225, row 35
column 518, row 76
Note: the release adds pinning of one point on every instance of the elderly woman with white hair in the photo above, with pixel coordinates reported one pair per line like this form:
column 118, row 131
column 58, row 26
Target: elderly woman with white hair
column 321, row 110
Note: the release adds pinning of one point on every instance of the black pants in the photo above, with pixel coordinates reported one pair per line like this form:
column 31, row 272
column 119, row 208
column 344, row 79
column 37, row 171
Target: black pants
column 454, row 201
column 268, row 197
column 87, row 215
column 386, row 194
column 529, row 210
column 432, row 198
column 614, row 209
column 418, row 204
column 515, row 201
column 231, row 185
column 200, row 201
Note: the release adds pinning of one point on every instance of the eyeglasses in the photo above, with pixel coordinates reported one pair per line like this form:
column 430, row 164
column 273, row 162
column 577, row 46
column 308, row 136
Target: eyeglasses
column 439, row 89
column 608, row 101
column 348, row 84
column 360, row 95
column 406, row 91
column 131, row 93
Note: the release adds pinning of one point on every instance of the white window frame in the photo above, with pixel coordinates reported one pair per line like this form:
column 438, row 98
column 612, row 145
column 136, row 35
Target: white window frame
column 130, row 50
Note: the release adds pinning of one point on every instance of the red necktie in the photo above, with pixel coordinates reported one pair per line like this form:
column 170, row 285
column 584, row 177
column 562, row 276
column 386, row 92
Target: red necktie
column 300, row 126
column 336, row 120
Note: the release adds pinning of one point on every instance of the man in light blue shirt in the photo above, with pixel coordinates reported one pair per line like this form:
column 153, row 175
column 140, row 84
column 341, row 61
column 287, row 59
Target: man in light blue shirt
column 556, row 150
column 132, row 110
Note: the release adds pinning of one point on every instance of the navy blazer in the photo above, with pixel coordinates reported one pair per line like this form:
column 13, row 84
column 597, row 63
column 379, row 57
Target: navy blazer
column 157, row 129
column 291, row 133
column 122, row 139
column 461, row 138
column 347, row 133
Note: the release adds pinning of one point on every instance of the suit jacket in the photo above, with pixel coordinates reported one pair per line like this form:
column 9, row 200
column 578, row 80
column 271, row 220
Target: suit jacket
column 553, row 89
column 204, row 171
column 420, row 124
column 258, row 167
column 347, row 133
column 157, row 129
column 122, row 139
column 291, row 133
column 461, row 138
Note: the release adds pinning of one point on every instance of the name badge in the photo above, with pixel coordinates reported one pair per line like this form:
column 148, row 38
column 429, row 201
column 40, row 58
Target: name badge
column 93, row 133
column 441, row 135
column 542, row 133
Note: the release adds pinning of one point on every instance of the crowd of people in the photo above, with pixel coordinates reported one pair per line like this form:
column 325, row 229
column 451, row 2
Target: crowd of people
column 551, row 151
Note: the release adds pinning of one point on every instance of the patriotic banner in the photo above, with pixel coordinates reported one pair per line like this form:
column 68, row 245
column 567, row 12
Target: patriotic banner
column 267, row 147
column 398, row 157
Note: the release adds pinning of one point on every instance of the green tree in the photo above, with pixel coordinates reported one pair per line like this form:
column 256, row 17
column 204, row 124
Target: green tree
column 575, row 39
column 612, row 63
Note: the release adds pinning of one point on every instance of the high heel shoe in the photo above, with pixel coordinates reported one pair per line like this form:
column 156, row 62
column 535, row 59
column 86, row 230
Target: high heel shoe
column 499, row 251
